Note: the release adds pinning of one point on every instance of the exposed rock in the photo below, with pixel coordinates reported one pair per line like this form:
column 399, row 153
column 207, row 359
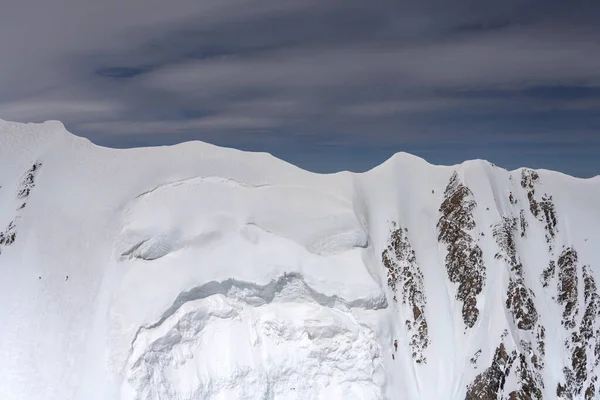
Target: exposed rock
column 591, row 389
column 540, row 338
column 9, row 235
column 547, row 207
column 403, row 272
column 548, row 273
column 529, row 178
column 543, row 210
column 523, row 223
column 475, row 358
column 489, row 385
column 533, row 204
column 592, row 307
column 504, row 236
column 28, row 182
column 529, row 381
column 581, row 375
column 519, row 298
column 464, row 261
column 567, row 286
column 519, row 301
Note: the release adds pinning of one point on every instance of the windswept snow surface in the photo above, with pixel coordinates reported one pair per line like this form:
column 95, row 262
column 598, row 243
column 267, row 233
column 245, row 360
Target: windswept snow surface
column 199, row 272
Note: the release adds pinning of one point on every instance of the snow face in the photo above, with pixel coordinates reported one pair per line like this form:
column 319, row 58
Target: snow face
column 198, row 272
column 217, row 347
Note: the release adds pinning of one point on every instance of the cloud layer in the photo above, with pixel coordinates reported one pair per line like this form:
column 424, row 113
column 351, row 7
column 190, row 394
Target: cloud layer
column 324, row 84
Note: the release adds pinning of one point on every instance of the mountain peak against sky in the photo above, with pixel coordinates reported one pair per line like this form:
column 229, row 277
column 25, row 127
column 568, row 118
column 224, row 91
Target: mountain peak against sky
column 57, row 130
column 193, row 271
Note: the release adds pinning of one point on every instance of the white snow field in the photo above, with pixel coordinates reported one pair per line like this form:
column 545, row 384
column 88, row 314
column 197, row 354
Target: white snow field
column 199, row 272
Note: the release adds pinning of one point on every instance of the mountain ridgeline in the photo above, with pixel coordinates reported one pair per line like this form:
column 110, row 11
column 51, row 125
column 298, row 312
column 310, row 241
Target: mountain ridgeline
column 194, row 271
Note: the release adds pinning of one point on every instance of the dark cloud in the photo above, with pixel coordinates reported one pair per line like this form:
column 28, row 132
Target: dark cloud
column 481, row 26
column 120, row 72
column 328, row 85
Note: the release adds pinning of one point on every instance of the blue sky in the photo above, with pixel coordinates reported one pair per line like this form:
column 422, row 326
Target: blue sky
column 323, row 84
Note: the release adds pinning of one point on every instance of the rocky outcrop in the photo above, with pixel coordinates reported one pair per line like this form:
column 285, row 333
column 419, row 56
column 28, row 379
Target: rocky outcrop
column 528, row 377
column 519, row 297
column 529, row 179
column 583, row 341
column 549, row 218
column 523, row 223
column 464, row 262
column 567, row 286
column 548, row 273
column 28, row 181
column 543, row 210
column 403, row 274
column 9, row 235
column 490, row 384
column 521, row 306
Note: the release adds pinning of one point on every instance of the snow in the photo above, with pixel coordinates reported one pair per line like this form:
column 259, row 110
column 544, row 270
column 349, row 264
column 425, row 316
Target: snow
column 199, row 272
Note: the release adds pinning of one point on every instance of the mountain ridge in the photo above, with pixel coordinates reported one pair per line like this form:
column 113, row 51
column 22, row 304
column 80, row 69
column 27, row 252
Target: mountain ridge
column 60, row 127
column 193, row 271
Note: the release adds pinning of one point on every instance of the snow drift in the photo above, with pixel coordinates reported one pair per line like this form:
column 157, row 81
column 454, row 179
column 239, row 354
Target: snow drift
column 199, row 272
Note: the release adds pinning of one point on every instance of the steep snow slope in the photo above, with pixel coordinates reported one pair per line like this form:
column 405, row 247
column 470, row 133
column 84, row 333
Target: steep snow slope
column 198, row 272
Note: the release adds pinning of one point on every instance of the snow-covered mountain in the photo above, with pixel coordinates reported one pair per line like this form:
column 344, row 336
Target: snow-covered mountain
column 199, row 272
